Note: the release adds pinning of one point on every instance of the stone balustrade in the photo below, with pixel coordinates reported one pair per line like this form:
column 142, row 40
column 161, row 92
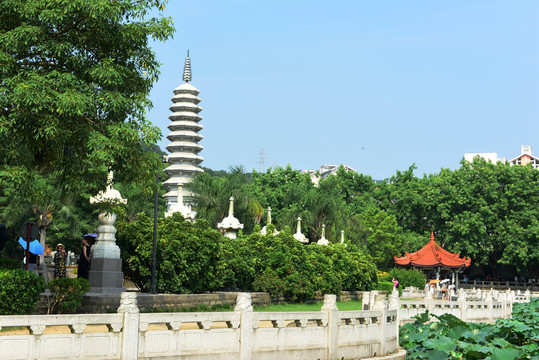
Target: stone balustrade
column 242, row 334
column 471, row 305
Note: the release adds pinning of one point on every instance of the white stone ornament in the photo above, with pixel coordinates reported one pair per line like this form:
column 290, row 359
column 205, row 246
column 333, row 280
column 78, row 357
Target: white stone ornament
column 298, row 235
column 180, row 207
column 230, row 224
column 264, row 229
column 323, row 240
column 105, row 246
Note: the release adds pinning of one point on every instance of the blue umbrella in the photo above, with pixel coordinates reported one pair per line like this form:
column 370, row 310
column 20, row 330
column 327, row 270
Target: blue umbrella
column 35, row 246
column 94, row 235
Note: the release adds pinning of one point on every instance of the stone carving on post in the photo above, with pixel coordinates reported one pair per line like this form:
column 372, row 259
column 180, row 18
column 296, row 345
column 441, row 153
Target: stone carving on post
column 106, row 271
column 128, row 307
column 330, row 305
column 230, row 224
column 245, row 308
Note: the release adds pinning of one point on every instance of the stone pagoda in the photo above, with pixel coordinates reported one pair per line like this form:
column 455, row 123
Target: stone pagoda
column 183, row 160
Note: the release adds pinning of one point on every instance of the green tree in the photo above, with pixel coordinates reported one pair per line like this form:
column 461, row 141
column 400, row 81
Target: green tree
column 75, row 79
column 211, row 196
column 188, row 254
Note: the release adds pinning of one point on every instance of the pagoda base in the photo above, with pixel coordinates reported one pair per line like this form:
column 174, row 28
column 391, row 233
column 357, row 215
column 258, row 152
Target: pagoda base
column 106, row 275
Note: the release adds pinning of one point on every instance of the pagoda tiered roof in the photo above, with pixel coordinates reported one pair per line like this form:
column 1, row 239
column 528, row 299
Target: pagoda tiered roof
column 433, row 255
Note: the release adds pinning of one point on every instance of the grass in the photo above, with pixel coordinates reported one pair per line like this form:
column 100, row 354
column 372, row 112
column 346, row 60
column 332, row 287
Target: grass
column 12, row 328
column 286, row 307
column 199, row 308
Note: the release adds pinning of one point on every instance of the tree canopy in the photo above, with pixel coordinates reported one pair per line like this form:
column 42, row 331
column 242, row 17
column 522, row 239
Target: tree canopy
column 74, row 85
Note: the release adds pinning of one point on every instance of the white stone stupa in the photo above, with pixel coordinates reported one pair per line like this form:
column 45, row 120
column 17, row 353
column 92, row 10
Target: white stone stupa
column 180, row 207
column 298, row 235
column 264, row 229
column 183, row 160
column 230, row 224
column 323, row 240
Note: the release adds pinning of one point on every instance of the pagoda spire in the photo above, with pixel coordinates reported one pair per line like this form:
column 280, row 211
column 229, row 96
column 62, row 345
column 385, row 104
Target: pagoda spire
column 187, row 69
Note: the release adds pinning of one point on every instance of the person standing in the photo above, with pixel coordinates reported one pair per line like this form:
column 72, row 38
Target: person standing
column 32, row 263
column 84, row 260
column 395, row 284
column 60, row 260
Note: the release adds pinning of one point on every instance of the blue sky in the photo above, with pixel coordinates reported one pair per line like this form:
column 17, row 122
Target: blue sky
column 376, row 85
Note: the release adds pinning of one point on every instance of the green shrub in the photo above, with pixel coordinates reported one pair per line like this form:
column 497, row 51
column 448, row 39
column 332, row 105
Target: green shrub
column 298, row 287
column 269, row 282
column 10, row 264
column 188, row 254
column 66, row 295
column 19, row 292
column 407, row 278
column 192, row 257
column 385, row 286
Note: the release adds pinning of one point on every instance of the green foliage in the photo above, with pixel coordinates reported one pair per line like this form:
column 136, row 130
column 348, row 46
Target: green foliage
column 191, row 257
column 188, row 254
column 198, row 308
column 76, row 76
column 19, row 292
column 408, row 278
column 385, row 286
column 212, row 198
column 66, row 295
column 10, row 264
column 269, row 281
column 451, row 338
column 286, row 267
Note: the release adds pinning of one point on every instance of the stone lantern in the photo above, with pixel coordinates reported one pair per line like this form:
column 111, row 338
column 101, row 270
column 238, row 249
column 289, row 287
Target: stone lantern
column 230, row 224
column 106, row 269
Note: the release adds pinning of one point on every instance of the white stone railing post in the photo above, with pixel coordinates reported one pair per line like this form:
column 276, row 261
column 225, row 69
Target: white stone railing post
column 395, row 304
column 380, row 304
column 463, row 305
column 245, row 308
column 394, row 300
column 330, row 305
column 130, row 332
column 490, row 307
column 365, row 300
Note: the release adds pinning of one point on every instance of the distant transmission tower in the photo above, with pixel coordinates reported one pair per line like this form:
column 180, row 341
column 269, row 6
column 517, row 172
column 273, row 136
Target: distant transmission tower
column 262, row 161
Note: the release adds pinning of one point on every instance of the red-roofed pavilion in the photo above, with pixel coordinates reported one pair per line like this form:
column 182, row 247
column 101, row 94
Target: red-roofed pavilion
column 433, row 256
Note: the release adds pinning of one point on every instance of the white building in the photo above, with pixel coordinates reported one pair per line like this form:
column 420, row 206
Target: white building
column 492, row 157
column 524, row 158
column 324, row 172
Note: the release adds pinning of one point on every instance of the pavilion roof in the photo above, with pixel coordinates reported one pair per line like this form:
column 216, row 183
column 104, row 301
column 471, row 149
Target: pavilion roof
column 433, row 255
